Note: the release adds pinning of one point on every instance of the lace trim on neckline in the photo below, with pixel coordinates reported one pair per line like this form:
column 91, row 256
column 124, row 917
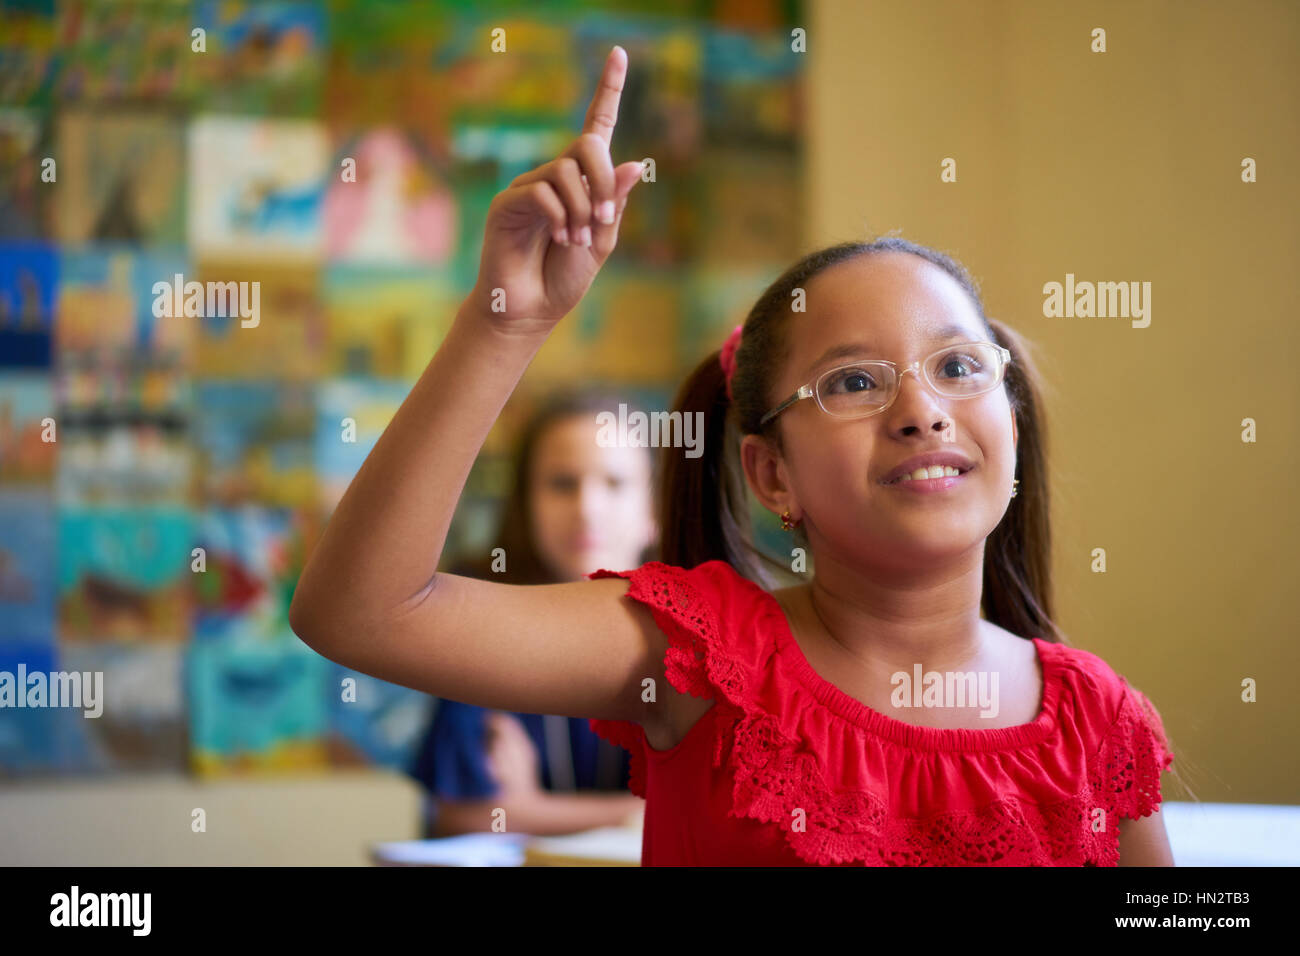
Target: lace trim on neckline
column 915, row 736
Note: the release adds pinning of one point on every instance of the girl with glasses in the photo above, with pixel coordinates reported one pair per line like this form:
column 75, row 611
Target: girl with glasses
column 769, row 726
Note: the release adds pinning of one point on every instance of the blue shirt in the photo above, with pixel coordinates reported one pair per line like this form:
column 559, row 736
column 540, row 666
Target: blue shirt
column 451, row 763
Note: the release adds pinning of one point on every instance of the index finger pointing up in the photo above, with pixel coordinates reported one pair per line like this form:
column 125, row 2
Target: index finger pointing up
column 602, row 114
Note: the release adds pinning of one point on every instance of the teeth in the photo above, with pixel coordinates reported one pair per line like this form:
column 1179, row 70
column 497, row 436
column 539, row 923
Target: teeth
column 934, row 471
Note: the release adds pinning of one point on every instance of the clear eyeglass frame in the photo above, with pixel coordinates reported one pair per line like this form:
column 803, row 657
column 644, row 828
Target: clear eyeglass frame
column 813, row 389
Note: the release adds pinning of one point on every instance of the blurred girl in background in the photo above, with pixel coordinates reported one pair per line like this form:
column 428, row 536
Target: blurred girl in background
column 573, row 508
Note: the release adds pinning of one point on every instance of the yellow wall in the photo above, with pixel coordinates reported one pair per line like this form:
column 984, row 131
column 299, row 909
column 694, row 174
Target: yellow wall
column 1117, row 166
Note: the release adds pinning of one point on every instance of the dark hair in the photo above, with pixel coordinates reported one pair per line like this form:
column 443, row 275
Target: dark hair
column 703, row 502
column 515, row 527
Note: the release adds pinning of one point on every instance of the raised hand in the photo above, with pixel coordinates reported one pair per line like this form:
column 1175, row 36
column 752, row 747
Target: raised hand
column 549, row 232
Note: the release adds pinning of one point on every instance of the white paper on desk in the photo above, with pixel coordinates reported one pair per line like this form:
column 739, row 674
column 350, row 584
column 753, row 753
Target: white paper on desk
column 603, row 843
column 1232, row 834
column 468, row 849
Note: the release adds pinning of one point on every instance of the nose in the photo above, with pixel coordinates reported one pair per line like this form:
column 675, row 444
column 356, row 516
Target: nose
column 589, row 500
column 915, row 407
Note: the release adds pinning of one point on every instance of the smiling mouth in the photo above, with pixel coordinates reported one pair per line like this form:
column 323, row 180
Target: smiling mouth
column 934, row 471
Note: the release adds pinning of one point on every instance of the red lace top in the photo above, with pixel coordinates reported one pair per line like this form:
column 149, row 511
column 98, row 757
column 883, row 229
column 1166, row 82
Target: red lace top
column 788, row 770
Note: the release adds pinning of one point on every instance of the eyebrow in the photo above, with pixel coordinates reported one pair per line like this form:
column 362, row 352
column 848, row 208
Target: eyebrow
column 855, row 349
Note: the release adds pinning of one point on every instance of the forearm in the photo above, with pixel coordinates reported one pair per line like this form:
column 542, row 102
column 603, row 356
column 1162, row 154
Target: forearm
column 541, row 814
column 381, row 547
column 1144, row 842
column 379, row 553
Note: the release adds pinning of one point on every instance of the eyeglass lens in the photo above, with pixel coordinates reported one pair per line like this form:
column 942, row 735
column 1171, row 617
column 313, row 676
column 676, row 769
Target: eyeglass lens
column 957, row 372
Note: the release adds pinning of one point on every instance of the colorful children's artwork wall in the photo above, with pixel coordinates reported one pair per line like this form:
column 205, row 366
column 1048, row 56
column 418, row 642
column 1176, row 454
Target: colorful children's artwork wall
column 232, row 235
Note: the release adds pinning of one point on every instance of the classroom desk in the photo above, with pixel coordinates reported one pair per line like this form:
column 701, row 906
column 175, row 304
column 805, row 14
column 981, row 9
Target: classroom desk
column 605, row 846
column 1201, row 834
column 1232, row 834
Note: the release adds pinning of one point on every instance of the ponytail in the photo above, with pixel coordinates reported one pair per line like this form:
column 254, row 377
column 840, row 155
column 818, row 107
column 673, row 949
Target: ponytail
column 702, row 503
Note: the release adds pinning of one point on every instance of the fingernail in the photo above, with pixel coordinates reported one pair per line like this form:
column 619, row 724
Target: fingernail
column 562, row 237
column 584, row 236
column 605, row 212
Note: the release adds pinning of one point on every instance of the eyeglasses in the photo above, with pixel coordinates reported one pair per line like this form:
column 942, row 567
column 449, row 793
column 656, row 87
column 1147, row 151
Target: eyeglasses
column 867, row 388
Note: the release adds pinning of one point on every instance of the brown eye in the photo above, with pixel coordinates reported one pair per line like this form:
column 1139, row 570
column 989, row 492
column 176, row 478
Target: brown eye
column 850, row 380
column 565, row 484
column 960, row 365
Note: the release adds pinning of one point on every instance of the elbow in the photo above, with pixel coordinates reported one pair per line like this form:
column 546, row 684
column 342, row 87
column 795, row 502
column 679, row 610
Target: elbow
column 328, row 619
column 305, row 620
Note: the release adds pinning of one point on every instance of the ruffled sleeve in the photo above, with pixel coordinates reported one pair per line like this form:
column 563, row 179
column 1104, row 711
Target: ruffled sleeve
column 689, row 606
column 1133, row 754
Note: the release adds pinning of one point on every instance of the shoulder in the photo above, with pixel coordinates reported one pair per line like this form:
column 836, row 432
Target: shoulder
column 1127, row 746
column 1105, row 705
column 719, row 626
column 709, row 575
column 719, row 632
column 711, row 600
column 1092, row 683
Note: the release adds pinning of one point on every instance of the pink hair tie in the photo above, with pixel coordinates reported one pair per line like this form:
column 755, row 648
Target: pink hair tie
column 727, row 359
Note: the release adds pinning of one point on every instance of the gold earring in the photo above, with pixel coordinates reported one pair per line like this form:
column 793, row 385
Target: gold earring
column 1015, row 490
column 787, row 521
